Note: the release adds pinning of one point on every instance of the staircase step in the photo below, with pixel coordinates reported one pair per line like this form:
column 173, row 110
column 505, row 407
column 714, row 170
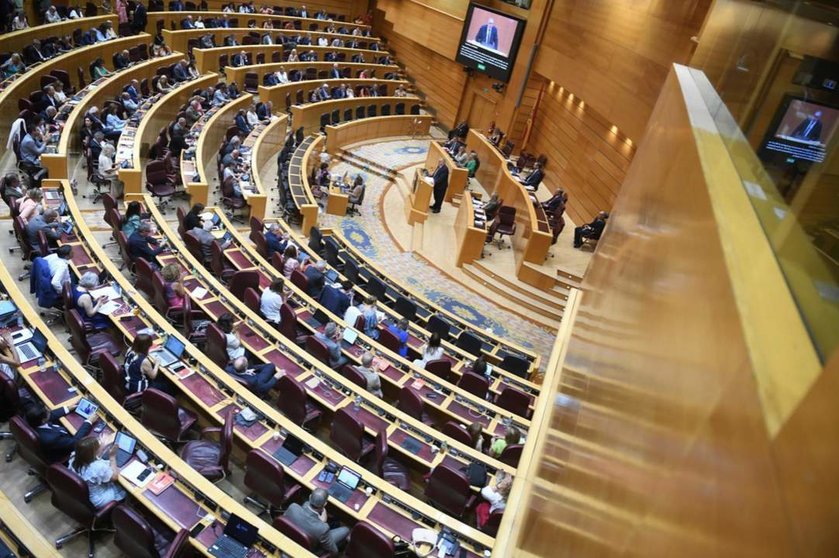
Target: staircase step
column 523, row 289
column 516, row 293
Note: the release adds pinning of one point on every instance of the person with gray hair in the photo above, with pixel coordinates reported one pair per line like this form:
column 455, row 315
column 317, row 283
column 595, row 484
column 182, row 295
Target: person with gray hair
column 86, row 305
column 46, row 222
column 141, row 244
column 259, row 379
column 316, row 277
column 206, row 238
column 274, row 240
column 311, row 518
column 108, row 171
column 330, row 336
column 374, row 382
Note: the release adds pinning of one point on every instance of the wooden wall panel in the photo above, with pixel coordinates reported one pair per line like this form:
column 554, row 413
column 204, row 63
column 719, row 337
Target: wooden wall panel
column 435, row 29
column 615, row 54
column 440, row 80
column 585, row 156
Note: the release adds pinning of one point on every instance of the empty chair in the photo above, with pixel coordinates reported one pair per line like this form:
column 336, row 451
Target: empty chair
column 265, row 476
column 469, row 343
column 400, row 108
column 347, row 115
column 251, row 82
column 294, row 403
column 492, row 524
column 503, row 225
column 144, row 536
column 388, row 468
column 441, row 367
column 347, row 434
column 89, row 347
column 29, row 448
column 366, row 541
column 372, row 110
column 352, row 374
column 411, row 404
column 242, row 280
column 438, row 325
column 211, row 459
column 158, row 182
column 405, row 307
column 71, row 496
column 385, row 110
column 474, row 384
column 515, row 401
column 389, row 340
column 164, row 417
column 415, row 109
column 449, row 491
column 359, row 113
column 376, row 287
column 515, row 365
column 511, row 455
column 288, row 324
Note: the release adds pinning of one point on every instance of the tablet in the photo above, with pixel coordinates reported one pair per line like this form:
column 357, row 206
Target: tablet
column 86, row 409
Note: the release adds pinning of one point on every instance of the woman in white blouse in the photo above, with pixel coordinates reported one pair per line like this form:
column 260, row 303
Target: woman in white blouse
column 430, row 351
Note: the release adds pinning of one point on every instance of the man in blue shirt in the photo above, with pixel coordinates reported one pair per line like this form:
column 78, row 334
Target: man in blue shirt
column 330, row 337
column 31, row 148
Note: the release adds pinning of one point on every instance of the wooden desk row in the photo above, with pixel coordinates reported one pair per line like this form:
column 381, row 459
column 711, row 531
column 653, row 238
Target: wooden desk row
column 257, row 196
column 159, row 115
column 470, row 234
column 19, row 535
column 70, row 143
column 212, row 392
column 327, row 5
column 382, row 128
column 76, row 58
column 322, row 70
column 192, row 500
column 16, row 40
column 180, row 40
column 533, row 237
column 298, row 179
column 309, row 116
column 298, row 92
column 172, row 20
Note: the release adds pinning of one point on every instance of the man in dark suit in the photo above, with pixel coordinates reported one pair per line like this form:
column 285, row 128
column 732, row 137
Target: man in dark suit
column 187, row 23
column 141, row 244
column 593, row 230
column 488, row 35
column 181, row 71
column 316, row 276
column 275, row 240
column 138, row 23
column 534, row 178
column 810, row 129
column 56, row 441
column 337, row 300
column 335, row 72
column 441, row 184
column 259, row 379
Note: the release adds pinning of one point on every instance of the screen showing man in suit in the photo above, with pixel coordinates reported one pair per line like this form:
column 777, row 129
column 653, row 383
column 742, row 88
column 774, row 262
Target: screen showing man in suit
column 803, row 131
column 491, row 31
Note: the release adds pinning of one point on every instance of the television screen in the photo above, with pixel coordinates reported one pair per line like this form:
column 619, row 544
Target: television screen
column 801, row 130
column 490, row 41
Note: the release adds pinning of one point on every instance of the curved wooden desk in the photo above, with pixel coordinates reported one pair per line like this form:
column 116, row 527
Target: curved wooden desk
column 218, row 5
column 322, row 69
column 298, row 180
column 265, row 147
column 191, row 490
column 76, row 58
column 458, row 176
column 308, row 116
column 16, row 40
column 209, row 57
column 18, row 533
column 179, row 40
column 286, row 94
column 381, row 128
column 470, row 236
column 533, row 237
column 70, row 143
column 162, row 113
column 172, row 20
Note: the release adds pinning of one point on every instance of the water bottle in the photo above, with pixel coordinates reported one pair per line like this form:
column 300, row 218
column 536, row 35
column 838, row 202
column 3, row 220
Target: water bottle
column 357, row 403
column 444, row 446
column 42, row 364
column 117, row 288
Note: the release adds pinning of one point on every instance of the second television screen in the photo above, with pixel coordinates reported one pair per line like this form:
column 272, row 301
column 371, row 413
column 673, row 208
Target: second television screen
column 489, row 41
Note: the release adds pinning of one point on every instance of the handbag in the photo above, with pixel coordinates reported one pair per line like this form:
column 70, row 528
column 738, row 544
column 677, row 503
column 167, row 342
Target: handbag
column 477, row 474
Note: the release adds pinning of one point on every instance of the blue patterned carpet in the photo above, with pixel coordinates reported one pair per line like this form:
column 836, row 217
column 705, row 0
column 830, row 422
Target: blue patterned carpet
column 368, row 234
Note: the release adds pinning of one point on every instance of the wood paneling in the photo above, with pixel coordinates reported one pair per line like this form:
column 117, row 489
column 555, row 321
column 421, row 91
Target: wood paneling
column 349, row 8
column 615, row 54
column 585, row 156
column 439, row 79
column 435, row 29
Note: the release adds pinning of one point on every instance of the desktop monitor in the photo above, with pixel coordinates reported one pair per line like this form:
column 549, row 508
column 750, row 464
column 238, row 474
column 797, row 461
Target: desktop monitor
column 490, row 41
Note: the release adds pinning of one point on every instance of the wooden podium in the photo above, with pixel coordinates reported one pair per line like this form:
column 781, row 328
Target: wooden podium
column 417, row 210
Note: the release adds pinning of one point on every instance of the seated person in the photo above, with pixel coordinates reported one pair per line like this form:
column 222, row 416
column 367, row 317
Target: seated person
column 491, row 207
column 400, row 330
column 498, row 444
column 220, row 96
column 316, row 276
column 193, row 217
column 206, row 238
column 331, row 336
column 56, row 441
column 100, row 474
column 109, row 172
column 275, row 240
column 259, row 379
column 163, row 85
column 471, row 164
column 12, row 191
column 311, row 518
column 141, row 244
column 141, row 371
column 46, row 222
column 271, row 300
column 173, row 286
column 132, row 218
column 357, row 192
column 337, row 299
column 556, row 203
column 593, row 230
column 430, row 351
column 9, row 362
column 534, row 178
column 59, row 264
column 181, row 71
column 495, row 496
column 86, row 305
column 475, row 430
column 130, row 104
column 31, row 147
column 31, row 205
column 291, row 259
column 374, row 382
column 230, row 327
column 14, row 65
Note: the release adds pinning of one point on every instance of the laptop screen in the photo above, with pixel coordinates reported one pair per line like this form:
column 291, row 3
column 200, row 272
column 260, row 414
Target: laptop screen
column 39, row 341
column 331, row 275
column 294, row 445
column 350, row 335
column 174, row 346
column 125, row 442
column 216, row 219
column 240, row 530
column 67, row 226
column 348, row 478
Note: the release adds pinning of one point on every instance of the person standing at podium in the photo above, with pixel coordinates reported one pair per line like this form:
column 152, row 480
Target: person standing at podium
column 441, row 184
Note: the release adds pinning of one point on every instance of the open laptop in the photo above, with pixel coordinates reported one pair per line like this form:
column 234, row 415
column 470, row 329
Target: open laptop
column 291, row 449
column 349, row 338
column 331, row 275
column 344, row 484
column 32, row 349
column 171, row 351
column 237, row 539
column 317, row 319
column 67, row 226
column 125, row 448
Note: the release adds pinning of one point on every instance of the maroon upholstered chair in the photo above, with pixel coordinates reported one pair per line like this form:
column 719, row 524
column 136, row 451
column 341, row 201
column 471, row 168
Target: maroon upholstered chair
column 449, row 491
column 253, row 302
column 347, row 435
column 164, row 417
column 368, row 542
column 211, row 459
column 113, row 380
column 294, row 403
column 492, row 524
column 388, row 468
column 441, row 367
column 411, row 404
column 456, row 432
column 299, row 279
column 29, row 448
column 317, row 349
column 265, row 476
column 515, row 401
column 220, row 267
column 71, row 496
column 277, row 261
column 193, row 246
column 144, row 273
column 89, row 347
column 293, row 532
column 288, row 324
column 511, row 455
column 144, row 536
column 474, row 384
column 241, row 280
column 389, row 340
column 216, row 349
column 352, row 374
